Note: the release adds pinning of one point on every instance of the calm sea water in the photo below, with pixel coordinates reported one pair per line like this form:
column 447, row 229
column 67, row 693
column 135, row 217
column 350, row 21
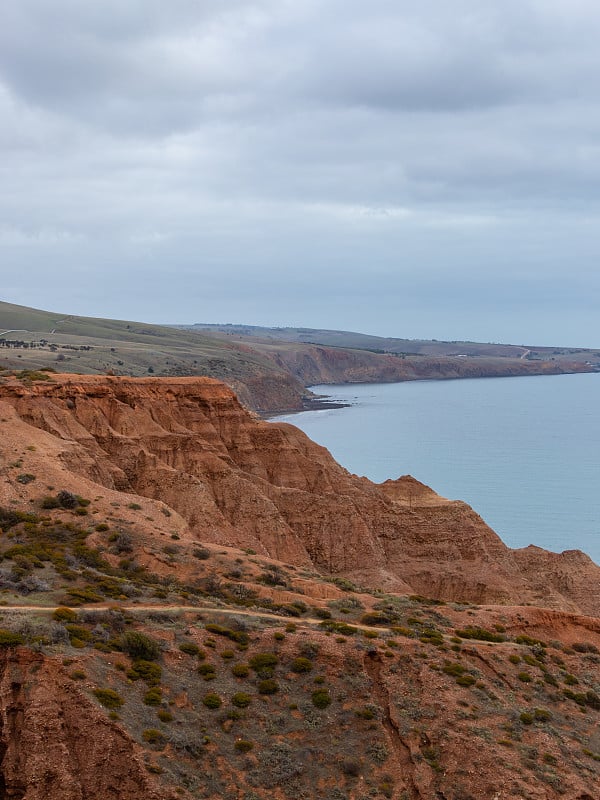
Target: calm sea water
column 524, row 452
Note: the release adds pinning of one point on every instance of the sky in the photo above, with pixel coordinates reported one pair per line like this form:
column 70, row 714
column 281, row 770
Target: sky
column 414, row 169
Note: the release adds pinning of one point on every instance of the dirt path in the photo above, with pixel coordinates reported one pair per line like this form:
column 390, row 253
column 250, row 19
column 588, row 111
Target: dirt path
column 177, row 609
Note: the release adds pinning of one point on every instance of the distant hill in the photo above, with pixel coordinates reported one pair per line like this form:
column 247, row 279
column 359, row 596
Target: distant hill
column 269, row 368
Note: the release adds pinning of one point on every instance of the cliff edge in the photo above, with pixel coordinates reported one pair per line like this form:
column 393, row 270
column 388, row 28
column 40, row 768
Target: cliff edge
column 187, row 448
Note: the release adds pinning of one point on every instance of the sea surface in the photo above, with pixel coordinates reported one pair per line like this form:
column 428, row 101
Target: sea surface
column 523, row 452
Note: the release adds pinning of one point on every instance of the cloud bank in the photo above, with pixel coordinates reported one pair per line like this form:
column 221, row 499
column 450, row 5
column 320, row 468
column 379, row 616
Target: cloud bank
column 420, row 169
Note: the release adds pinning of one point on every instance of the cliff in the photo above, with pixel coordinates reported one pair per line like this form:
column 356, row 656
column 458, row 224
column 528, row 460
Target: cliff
column 56, row 743
column 187, row 448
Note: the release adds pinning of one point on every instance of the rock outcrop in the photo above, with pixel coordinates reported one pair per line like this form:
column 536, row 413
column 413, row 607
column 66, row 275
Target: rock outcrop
column 188, row 448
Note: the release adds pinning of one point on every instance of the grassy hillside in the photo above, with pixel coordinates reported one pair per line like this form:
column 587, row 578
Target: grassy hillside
column 269, row 368
column 382, row 344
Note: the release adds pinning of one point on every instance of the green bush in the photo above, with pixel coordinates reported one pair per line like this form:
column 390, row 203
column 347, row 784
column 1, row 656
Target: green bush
column 301, row 664
column 109, row 698
column 524, row 677
column 465, row 680
column 64, row 614
column 189, row 648
column 526, row 718
column 321, row 698
column 153, row 736
column 79, row 634
column 240, row 670
column 147, row 671
column 10, row 639
column 153, row 697
column 262, row 660
column 452, row 668
column 140, row 646
column 164, row 715
column 212, row 700
column 241, row 699
column 480, row 633
column 268, row 686
column 243, row 745
column 240, row 637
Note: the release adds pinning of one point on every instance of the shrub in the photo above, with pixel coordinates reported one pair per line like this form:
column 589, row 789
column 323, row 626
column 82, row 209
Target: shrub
column 526, row 718
column 207, row 669
column 264, row 663
column 351, row 766
column 524, row 677
column 140, row 646
column 375, row 618
column 301, row 664
column 153, row 736
column 585, row 647
column 50, row 502
column 63, row 614
column 309, row 650
column 514, row 658
column 164, row 715
column 109, row 698
column 268, row 686
column 212, row 700
column 78, row 675
column 201, row 553
column 481, row 634
column 570, row 680
column 190, row 648
column 321, row 698
column 465, row 680
column 153, row 697
column 365, row 713
column 592, row 700
column 528, row 640
column 453, row 669
column 243, row 745
column 241, row 699
column 542, row 715
column 67, row 499
column 78, row 635
column 240, row 637
column 240, row 670
column 10, row 639
column 145, row 670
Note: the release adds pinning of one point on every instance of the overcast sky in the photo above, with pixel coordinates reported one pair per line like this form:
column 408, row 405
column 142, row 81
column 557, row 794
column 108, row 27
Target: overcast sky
column 423, row 169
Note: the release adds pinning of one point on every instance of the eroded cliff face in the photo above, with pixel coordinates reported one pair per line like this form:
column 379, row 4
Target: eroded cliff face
column 56, row 743
column 314, row 364
column 191, row 449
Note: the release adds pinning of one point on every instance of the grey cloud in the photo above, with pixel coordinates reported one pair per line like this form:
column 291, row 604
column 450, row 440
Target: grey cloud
column 300, row 153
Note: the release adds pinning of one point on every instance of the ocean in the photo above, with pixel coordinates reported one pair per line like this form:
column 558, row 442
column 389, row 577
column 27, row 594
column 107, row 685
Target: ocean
column 523, row 452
